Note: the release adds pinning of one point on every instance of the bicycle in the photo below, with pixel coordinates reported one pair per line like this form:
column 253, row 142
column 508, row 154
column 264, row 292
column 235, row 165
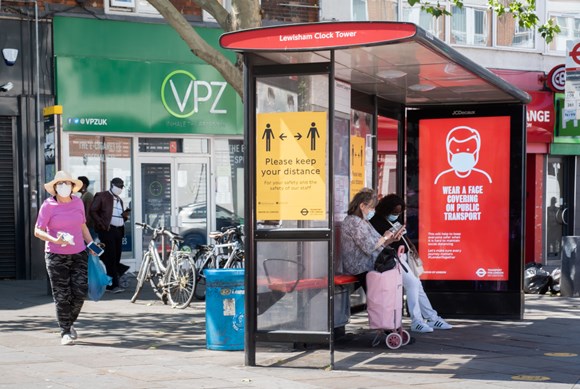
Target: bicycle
column 226, row 253
column 173, row 279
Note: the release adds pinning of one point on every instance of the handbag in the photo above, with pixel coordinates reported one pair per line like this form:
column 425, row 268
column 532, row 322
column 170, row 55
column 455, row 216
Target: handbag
column 97, row 278
column 386, row 260
column 415, row 263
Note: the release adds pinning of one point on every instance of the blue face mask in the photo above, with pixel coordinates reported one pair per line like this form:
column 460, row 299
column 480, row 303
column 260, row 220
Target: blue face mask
column 370, row 215
column 393, row 218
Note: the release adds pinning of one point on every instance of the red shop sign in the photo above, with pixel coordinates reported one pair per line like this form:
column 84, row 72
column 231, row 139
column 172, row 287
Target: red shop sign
column 540, row 116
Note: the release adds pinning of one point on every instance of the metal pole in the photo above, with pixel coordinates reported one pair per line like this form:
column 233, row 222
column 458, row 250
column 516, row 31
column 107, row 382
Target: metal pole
column 37, row 104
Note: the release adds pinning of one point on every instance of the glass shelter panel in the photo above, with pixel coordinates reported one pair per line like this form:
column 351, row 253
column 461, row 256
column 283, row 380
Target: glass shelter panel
column 292, row 152
column 292, row 286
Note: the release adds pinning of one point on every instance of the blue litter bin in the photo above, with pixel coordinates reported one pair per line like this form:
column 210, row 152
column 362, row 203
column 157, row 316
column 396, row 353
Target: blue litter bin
column 224, row 309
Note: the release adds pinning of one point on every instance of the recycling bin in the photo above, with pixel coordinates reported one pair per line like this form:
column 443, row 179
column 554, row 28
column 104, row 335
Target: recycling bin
column 224, row 309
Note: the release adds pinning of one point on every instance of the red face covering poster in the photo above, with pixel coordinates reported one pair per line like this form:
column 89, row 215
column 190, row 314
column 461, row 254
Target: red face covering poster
column 464, row 198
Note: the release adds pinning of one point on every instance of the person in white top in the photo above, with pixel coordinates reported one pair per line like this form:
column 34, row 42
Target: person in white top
column 424, row 318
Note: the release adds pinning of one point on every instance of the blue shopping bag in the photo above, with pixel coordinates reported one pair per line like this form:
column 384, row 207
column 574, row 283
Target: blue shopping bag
column 98, row 278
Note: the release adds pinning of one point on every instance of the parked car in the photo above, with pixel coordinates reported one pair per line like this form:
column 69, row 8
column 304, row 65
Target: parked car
column 192, row 222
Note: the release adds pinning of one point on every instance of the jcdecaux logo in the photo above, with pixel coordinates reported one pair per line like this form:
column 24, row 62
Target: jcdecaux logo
column 183, row 95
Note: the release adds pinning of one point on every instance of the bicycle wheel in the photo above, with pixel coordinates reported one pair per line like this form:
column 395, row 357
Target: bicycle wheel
column 141, row 276
column 156, row 280
column 203, row 260
column 180, row 280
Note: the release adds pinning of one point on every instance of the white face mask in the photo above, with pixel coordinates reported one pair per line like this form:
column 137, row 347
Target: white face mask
column 462, row 162
column 63, row 190
column 116, row 190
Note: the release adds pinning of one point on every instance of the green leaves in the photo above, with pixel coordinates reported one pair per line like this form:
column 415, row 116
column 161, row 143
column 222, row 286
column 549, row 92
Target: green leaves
column 524, row 12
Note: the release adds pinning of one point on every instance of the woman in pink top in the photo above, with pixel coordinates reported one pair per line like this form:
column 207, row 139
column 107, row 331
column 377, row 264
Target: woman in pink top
column 61, row 224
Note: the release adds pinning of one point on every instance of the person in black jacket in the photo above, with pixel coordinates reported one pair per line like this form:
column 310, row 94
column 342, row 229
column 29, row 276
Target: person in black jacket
column 424, row 318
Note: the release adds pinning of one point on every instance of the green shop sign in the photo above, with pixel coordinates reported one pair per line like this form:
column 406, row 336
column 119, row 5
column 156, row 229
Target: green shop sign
column 135, row 90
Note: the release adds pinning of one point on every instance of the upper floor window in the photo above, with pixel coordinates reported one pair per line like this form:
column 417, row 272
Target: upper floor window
column 569, row 30
column 426, row 21
column 359, row 10
column 470, row 26
column 382, row 10
column 510, row 34
column 227, row 4
column 135, row 7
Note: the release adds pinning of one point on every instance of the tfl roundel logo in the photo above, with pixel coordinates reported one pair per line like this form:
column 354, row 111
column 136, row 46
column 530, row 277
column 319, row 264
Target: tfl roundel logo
column 557, row 78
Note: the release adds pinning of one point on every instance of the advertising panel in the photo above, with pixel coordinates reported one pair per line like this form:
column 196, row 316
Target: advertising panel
column 291, row 166
column 464, row 198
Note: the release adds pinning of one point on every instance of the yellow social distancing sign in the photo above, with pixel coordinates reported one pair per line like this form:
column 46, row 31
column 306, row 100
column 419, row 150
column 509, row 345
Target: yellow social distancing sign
column 357, row 164
column 291, row 166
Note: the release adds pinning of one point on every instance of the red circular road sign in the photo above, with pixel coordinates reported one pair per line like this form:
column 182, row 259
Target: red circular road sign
column 575, row 53
column 557, row 78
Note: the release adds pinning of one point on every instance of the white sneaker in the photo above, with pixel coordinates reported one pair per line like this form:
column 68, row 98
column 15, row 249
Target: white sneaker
column 115, row 290
column 73, row 333
column 421, row 327
column 67, row 340
column 439, row 324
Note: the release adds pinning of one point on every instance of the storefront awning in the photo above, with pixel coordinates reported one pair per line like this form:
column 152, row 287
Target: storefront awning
column 397, row 62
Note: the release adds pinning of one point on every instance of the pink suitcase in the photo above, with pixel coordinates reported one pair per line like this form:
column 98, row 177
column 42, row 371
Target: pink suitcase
column 385, row 306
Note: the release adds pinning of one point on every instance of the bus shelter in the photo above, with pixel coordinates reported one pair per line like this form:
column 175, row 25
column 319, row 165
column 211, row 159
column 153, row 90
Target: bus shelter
column 313, row 95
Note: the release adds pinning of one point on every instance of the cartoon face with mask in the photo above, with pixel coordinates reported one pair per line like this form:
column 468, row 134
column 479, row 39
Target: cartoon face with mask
column 463, row 144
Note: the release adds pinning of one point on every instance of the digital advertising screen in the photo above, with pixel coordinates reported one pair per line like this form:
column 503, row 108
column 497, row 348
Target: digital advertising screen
column 464, row 183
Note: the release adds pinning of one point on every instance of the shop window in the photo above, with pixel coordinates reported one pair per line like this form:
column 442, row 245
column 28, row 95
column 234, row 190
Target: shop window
column 569, row 30
column 100, row 159
column 470, row 26
column 229, row 189
column 426, row 21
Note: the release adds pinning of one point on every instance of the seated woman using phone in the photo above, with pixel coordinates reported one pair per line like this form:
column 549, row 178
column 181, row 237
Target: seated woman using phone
column 388, row 216
column 360, row 243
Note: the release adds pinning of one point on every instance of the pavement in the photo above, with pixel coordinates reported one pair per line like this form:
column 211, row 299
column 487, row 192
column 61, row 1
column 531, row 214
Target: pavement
column 151, row 345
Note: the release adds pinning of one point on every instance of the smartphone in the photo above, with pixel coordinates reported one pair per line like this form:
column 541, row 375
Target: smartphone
column 96, row 248
column 396, row 227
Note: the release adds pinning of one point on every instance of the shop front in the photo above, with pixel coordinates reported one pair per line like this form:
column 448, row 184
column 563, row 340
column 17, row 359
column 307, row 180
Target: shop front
column 136, row 104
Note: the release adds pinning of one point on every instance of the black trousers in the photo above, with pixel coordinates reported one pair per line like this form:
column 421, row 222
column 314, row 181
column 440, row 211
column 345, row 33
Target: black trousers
column 113, row 240
column 68, row 280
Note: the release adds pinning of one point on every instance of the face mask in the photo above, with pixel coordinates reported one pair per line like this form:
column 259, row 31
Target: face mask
column 462, row 162
column 370, row 215
column 116, row 190
column 393, row 218
column 63, row 190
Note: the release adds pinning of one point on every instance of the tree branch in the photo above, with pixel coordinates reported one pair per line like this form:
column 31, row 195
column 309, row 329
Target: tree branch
column 198, row 46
